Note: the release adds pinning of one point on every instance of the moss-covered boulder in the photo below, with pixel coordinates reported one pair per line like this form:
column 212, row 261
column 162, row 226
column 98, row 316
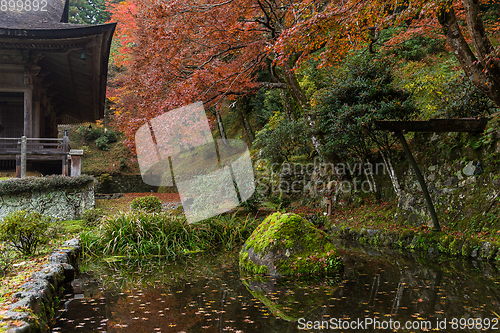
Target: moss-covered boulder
column 287, row 245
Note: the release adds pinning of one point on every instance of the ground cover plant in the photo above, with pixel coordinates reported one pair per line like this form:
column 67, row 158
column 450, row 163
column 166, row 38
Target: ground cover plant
column 123, row 204
column 150, row 204
column 39, row 184
column 92, row 217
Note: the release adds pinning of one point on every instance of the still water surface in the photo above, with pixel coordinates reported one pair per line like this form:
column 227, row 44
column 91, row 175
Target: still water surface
column 207, row 294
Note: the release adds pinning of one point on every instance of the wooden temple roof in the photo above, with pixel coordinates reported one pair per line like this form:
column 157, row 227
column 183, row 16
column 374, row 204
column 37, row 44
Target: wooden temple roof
column 72, row 59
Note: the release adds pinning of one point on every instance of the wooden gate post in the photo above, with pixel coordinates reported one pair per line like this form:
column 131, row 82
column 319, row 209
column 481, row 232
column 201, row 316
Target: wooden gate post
column 76, row 162
column 420, row 178
column 65, row 150
column 24, row 149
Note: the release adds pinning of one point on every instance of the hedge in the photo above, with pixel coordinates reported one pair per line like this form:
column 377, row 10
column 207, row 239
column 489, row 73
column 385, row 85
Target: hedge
column 43, row 184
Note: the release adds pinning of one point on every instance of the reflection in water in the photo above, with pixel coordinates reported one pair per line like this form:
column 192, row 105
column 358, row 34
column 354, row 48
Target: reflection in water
column 206, row 294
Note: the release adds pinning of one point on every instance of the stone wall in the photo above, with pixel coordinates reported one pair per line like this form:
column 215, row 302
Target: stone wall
column 461, row 173
column 36, row 300
column 60, row 203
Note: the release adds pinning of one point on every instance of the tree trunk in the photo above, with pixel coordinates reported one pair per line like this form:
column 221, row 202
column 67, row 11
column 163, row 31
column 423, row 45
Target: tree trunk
column 220, row 126
column 243, row 105
column 302, row 101
column 392, row 173
column 294, row 87
column 369, row 177
column 388, row 164
column 287, row 106
column 483, row 70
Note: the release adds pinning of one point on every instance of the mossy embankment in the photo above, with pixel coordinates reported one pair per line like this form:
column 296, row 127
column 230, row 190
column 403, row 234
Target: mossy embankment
column 379, row 225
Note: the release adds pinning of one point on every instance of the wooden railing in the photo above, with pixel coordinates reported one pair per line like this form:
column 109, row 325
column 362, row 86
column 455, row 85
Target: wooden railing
column 34, row 146
column 22, row 149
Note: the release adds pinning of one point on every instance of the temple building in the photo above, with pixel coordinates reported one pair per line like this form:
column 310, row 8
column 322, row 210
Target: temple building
column 51, row 72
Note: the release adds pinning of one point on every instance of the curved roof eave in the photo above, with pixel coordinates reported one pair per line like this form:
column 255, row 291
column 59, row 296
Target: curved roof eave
column 68, row 76
column 56, row 30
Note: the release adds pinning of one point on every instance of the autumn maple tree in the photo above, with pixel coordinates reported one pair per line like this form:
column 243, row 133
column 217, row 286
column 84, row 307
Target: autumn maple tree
column 216, row 51
column 343, row 26
column 182, row 52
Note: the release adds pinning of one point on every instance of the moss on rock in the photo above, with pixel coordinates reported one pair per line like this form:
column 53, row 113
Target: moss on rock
column 287, row 244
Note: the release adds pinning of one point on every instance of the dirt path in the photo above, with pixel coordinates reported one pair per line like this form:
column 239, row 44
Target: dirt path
column 164, row 197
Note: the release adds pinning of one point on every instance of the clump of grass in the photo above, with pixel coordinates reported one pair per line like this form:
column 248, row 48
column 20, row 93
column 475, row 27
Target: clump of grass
column 138, row 233
column 150, row 204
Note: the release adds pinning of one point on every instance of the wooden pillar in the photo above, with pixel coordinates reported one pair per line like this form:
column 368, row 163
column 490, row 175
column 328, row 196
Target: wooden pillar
column 329, row 206
column 65, row 149
column 28, row 104
column 18, row 166
column 24, row 144
column 37, row 119
column 2, row 127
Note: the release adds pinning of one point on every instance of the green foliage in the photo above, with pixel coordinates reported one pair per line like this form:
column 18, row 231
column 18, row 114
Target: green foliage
column 138, row 233
column 417, row 48
column 102, row 136
column 89, row 133
column 280, row 201
column 43, row 184
column 6, row 258
column 266, row 103
column 92, row 217
column 442, row 91
column 344, row 111
column 485, row 140
column 88, row 11
column 150, row 204
column 105, row 183
column 112, row 136
column 24, row 231
column 102, row 143
column 287, row 138
column 123, row 163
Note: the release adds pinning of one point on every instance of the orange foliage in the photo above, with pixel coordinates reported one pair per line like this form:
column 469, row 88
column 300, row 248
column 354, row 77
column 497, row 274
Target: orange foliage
column 179, row 52
column 123, row 12
column 184, row 51
column 345, row 25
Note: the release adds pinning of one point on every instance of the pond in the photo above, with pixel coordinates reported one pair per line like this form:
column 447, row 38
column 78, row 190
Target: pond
column 379, row 290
